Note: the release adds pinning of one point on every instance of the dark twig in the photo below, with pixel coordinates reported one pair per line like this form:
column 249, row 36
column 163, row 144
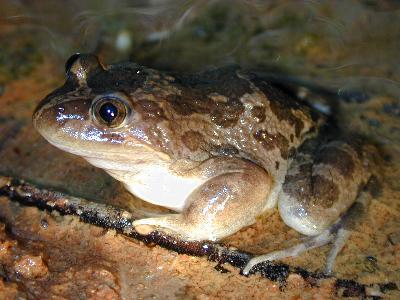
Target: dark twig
column 110, row 217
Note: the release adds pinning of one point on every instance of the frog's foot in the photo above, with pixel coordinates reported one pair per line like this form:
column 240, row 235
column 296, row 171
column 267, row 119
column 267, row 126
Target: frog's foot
column 334, row 233
column 178, row 225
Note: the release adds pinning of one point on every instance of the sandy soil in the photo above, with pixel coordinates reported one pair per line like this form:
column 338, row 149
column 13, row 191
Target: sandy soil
column 47, row 256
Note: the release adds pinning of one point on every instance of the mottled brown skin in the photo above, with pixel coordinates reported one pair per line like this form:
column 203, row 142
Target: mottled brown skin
column 215, row 146
column 324, row 181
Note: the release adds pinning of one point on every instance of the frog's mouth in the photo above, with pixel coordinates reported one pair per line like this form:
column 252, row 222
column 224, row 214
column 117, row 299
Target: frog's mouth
column 108, row 156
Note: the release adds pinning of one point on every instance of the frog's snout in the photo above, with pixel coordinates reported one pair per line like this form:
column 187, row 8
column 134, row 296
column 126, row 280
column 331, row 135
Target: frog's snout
column 41, row 117
column 49, row 111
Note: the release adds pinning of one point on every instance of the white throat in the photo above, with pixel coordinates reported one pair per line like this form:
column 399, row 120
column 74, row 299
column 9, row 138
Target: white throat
column 154, row 182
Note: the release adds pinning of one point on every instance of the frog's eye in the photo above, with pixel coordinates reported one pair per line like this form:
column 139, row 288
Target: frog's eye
column 80, row 66
column 110, row 111
column 71, row 61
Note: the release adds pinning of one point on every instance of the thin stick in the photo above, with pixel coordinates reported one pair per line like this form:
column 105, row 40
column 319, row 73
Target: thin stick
column 111, row 217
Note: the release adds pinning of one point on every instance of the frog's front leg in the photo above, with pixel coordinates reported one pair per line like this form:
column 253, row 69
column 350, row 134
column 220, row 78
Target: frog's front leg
column 226, row 202
column 321, row 185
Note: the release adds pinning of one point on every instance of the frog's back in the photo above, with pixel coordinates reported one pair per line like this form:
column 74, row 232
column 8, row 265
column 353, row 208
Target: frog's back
column 227, row 112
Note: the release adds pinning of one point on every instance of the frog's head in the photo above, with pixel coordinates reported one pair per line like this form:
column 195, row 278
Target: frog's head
column 99, row 113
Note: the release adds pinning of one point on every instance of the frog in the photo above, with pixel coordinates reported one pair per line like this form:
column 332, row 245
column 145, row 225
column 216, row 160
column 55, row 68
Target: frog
column 218, row 148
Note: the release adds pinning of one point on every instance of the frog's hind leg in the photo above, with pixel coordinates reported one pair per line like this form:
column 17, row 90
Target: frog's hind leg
column 320, row 187
column 336, row 233
column 322, row 184
column 314, row 242
column 339, row 242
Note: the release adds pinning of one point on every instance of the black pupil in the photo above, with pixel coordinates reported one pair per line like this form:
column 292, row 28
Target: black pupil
column 108, row 112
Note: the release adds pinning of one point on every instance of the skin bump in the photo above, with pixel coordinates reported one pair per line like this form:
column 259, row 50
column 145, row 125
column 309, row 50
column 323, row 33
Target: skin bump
column 227, row 115
column 282, row 106
column 272, row 141
column 325, row 191
column 338, row 159
column 284, row 113
column 150, row 109
column 191, row 101
column 298, row 186
column 202, row 93
column 310, row 190
column 193, row 140
column 258, row 112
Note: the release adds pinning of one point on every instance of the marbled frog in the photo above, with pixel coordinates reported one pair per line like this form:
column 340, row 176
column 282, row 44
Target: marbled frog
column 219, row 147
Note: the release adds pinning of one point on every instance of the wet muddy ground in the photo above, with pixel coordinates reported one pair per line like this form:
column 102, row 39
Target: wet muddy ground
column 350, row 47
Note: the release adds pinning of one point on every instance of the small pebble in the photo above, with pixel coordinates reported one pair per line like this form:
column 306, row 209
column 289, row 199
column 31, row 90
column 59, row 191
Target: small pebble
column 44, row 223
column 30, row 267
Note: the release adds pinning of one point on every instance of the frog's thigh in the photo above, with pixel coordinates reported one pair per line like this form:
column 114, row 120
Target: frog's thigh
column 321, row 186
column 220, row 206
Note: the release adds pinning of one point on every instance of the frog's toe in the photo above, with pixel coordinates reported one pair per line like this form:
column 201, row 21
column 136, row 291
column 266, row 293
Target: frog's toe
column 340, row 240
column 335, row 233
column 172, row 224
column 314, row 242
column 148, row 225
column 144, row 229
